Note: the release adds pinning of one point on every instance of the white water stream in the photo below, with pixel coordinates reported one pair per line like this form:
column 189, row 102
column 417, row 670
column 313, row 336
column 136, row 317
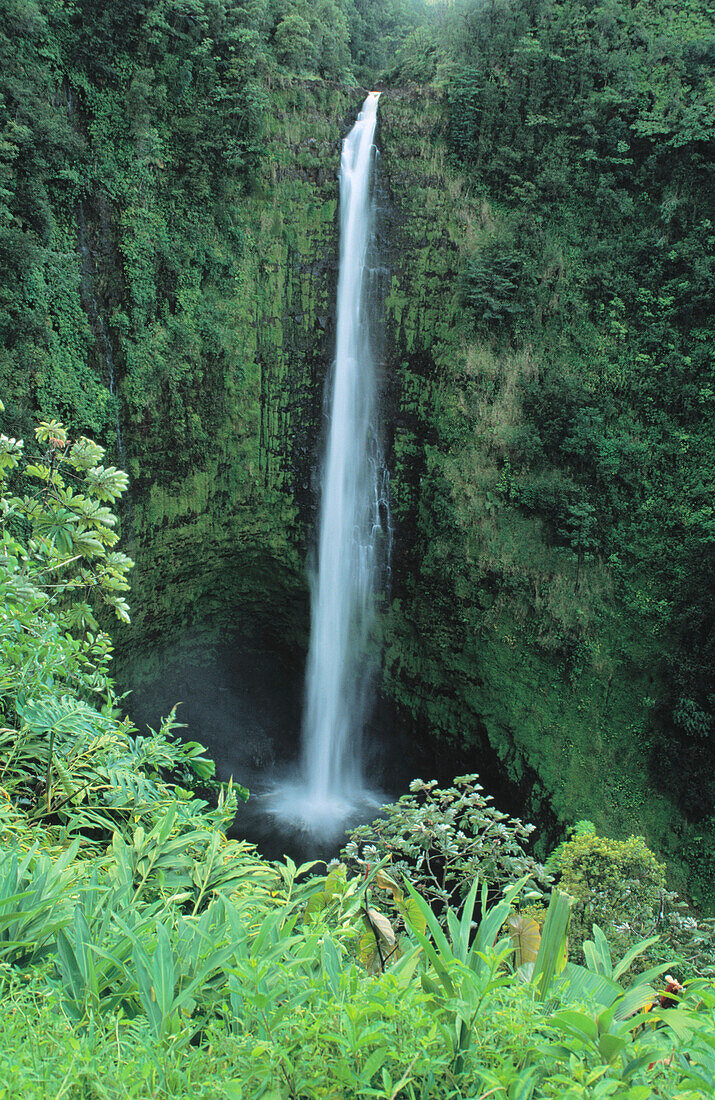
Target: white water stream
column 330, row 787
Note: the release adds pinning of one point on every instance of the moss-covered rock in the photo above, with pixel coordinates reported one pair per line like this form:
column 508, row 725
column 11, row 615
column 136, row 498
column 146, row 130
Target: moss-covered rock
column 505, row 637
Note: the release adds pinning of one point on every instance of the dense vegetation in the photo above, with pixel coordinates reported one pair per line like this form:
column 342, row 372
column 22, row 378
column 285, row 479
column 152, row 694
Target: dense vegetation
column 141, row 949
column 597, row 137
column 167, row 260
column 555, row 409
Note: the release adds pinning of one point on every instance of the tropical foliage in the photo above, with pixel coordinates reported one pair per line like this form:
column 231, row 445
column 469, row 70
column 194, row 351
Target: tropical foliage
column 440, row 840
column 167, row 202
column 69, row 757
column 553, row 376
column 138, row 944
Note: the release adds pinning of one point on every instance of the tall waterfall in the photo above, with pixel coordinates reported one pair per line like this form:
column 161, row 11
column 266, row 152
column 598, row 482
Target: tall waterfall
column 331, row 786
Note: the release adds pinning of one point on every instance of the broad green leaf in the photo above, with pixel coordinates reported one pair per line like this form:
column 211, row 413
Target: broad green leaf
column 611, row 1046
column 551, row 956
column 441, row 942
column 163, row 971
column 465, row 925
column 373, row 1063
column 526, row 935
column 586, row 985
column 633, row 1000
column 578, row 1024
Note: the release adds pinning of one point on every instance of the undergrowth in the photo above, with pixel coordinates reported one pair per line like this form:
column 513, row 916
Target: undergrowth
column 144, row 954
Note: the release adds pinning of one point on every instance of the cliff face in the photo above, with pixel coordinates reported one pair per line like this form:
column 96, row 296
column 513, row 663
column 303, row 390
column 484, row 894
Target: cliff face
column 225, row 537
column 502, row 638
column 183, row 311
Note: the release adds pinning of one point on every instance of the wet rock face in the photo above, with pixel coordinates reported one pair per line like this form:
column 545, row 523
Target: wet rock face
column 220, row 531
column 244, row 706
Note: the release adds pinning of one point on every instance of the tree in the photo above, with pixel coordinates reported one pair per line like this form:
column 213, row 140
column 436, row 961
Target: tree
column 292, row 43
column 66, row 753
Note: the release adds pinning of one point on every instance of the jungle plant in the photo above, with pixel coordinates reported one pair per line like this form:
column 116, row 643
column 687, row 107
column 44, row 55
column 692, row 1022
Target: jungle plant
column 440, row 840
column 471, row 965
column 159, row 913
column 70, row 534
column 58, row 557
column 617, row 884
column 495, row 287
column 67, row 757
column 467, row 967
column 34, row 902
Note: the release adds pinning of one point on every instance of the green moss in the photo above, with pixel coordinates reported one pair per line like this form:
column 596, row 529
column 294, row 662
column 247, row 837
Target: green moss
column 499, row 639
column 213, row 525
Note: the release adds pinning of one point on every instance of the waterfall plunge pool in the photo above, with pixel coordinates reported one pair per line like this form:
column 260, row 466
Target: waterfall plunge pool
column 245, row 707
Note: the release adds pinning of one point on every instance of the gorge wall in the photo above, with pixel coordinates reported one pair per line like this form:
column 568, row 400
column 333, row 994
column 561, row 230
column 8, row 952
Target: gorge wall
column 509, row 633
column 493, row 641
column 220, row 531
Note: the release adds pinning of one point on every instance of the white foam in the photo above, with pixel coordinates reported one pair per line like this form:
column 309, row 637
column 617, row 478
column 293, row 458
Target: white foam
column 297, row 805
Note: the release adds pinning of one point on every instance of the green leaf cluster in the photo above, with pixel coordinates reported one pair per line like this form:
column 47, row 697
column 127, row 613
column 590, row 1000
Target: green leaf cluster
column 69, row 759
column 440, row 839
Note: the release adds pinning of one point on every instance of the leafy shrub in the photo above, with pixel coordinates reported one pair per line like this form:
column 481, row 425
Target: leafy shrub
column 591, row 868
column 65, row 754
column 175, row 961
column 34, row 902
column 442, row 839
column 617, row 884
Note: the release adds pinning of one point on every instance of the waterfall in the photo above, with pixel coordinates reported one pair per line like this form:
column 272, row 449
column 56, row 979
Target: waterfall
column 331, row 786
column 349, row 515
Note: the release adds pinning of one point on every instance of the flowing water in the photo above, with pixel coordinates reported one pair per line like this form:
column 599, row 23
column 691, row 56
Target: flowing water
column 330, row 788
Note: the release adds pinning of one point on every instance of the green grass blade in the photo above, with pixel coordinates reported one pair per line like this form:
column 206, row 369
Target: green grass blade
column 552, row 948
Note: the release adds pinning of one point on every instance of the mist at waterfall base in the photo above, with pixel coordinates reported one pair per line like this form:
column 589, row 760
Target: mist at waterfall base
column 246, row 708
